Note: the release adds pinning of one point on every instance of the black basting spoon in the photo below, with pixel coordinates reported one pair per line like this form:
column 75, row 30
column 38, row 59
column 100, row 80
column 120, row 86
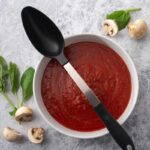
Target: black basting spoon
column 48, row 40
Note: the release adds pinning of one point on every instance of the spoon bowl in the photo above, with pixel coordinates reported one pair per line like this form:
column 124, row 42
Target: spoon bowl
column 42, row 32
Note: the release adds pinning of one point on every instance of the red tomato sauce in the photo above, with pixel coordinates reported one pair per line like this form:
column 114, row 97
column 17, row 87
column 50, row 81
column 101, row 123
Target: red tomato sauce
column 105, row 73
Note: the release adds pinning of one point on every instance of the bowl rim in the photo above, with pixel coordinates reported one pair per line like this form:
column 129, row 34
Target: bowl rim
column 125, row 114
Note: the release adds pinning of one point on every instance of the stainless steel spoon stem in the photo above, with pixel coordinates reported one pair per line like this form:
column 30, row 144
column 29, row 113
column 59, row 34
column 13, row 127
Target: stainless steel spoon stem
column 82, row 85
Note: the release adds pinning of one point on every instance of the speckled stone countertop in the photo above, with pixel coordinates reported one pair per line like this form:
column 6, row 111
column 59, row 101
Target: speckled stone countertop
column 74, row 17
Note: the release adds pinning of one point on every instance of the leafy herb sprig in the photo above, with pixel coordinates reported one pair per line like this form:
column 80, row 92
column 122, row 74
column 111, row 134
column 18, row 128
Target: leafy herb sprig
column 13, row 74
column 122, row 17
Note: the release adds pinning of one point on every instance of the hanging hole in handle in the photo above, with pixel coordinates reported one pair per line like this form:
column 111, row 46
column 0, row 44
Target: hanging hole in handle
column 129, row 147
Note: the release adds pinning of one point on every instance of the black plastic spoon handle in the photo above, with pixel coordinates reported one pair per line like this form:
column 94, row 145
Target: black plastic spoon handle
column 115, row 129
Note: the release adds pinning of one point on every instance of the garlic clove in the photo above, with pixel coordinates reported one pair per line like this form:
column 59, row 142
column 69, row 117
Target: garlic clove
column 24, row 114
column 137, row 29
column 36, row 135
column 110, row 27
column 11, row 135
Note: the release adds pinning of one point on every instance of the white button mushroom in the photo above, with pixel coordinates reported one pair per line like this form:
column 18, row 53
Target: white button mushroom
column 36, row 135
column 24, row 114
column 110, row 27
column 11, row 135
column 137, row 29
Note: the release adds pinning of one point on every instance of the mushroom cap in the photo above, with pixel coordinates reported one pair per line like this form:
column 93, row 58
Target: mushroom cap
column 36, row 135
column 110, row 27
column 24, row 114
column 11, row 134
column 137, row 29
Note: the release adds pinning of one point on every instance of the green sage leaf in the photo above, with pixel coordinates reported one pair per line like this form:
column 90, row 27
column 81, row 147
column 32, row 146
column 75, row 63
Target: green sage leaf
column 121, row 17
column 3, row 74
column 27, row 83
column 2, row 85
column 3, row 67
column 14, row 75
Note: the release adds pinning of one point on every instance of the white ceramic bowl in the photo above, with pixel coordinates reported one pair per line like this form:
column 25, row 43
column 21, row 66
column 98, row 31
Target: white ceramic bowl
column 39, row 73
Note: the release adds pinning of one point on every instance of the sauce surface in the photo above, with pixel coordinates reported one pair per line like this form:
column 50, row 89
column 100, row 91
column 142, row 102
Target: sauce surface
column 105, row 73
